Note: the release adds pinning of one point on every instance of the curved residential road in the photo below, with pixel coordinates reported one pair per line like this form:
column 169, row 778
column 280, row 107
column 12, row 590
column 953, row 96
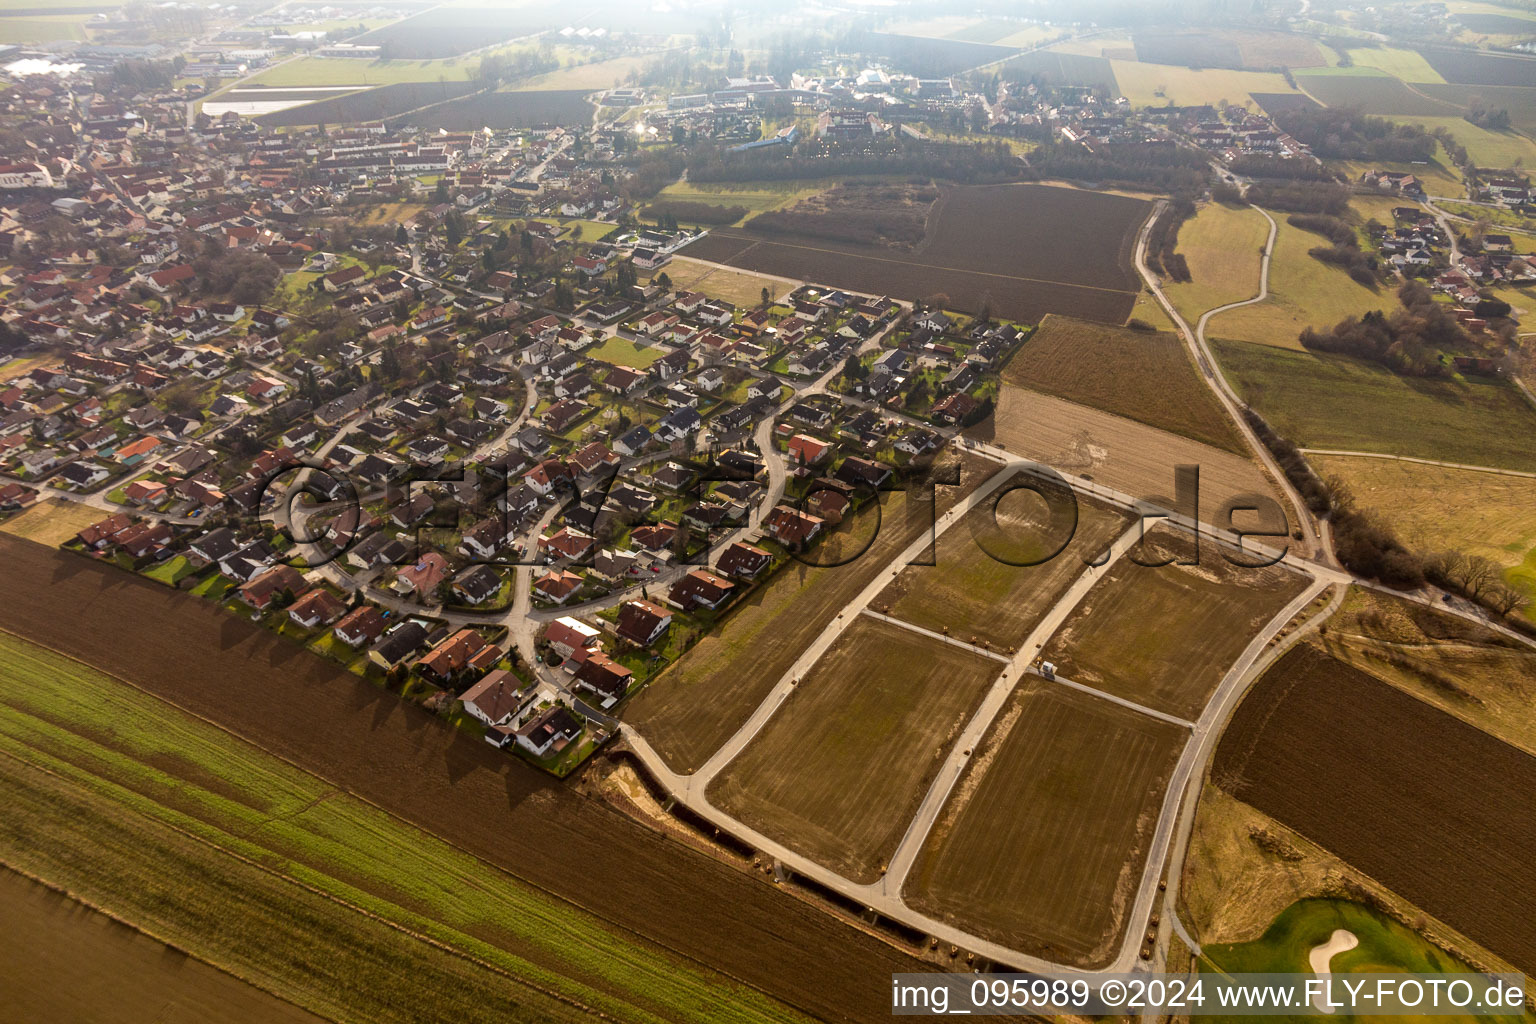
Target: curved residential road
column 1421, row 462
column 1210, row 370
column 884, row 896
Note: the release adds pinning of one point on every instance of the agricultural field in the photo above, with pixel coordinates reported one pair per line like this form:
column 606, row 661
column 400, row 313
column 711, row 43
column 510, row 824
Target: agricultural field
column 1222, row 245
column 1407, row 65
column 131, row 977
column 737, row 287
column 1519, row 100
column 359, row 737
column 51, row 522
column 1158, row 85
column 700, row 701
column 973, row 254
column 1042, row 843
column 839, row 770
column 1164, row 637
column 931, row 58
column 755, row 197
column 1303, row 292
column 43, row 28
column 1482, row 677
column 1193, row 49
column 1434, row 508
column 1394, row 787
column 1149, row 311
column 452, row 31
column 587, row 76
column 977, row 590
column 369, row 105
column 307, row 71
column 1061, row 67
column 505, row 109
column 1477, row 67
column 1116, row 452
column 1273, row 103
column 1373, row 92
column 1328, row 401
column 1142, row 375
column 166, row 819
column 1486, row 148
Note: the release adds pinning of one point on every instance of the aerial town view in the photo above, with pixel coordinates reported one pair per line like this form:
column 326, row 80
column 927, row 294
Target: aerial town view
column 700, row 511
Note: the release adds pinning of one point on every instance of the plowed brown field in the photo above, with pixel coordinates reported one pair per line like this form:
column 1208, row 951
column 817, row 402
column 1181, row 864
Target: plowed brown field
column 1042, row 845
column 1434, row 809
column 1120, row 453
column 360, row 737
column 997, row 245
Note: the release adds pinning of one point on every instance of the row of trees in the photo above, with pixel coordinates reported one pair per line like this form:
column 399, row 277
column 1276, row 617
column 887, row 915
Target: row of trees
column 1367, row 546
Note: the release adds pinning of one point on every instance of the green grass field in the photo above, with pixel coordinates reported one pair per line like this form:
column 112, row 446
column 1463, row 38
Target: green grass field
column 1384, row 946
column 1338, row 402
column 1408, row 65
column 622, row 352
column 1486, row 148
column 1222, row 245
column 756, row 197
column 255, row 865
column 43, row 29
column 1303, row 292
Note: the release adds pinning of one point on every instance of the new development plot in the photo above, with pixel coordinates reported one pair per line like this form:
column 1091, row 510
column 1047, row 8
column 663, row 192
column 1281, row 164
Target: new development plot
column 839, row 770
column 978, row 590
column 699, row 702
column 1434, row 809
column 984, row 247
column 1164, row 635
column 1042, row 844
column 1141, row 375
column 1116, row 452
column 1326, row 401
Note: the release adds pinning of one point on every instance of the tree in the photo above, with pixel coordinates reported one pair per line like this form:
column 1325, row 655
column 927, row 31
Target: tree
column 767, row 295
column 402, row 236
